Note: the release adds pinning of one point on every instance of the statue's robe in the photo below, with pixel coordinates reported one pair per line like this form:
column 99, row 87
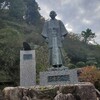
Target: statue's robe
column 54, row 32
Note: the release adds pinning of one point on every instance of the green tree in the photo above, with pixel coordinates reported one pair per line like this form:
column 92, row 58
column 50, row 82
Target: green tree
column 3, row 3
column 17, row 9
column 12, row 9
column 75, row 49
column 87, row 35
column 32, row 14
column 4, row 13
column 10, row 44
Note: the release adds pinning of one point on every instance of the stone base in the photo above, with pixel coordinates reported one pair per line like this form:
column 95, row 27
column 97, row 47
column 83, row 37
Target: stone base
column 82, row 91
column 27, row 68
column 58, row 76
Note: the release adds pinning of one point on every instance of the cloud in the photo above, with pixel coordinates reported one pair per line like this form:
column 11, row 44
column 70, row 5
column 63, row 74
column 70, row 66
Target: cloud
column 64, row 2
column 86, row 21
column 69, row 27
column 77, row 15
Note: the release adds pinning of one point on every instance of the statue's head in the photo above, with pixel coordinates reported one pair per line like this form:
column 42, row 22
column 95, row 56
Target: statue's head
column 52, row 14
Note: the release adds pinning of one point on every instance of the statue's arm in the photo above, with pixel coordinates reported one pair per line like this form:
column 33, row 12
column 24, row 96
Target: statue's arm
column 63, row 30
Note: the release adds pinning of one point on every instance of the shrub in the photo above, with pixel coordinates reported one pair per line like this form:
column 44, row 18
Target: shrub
column 90, row 74
column 71, row 66
column 80, row 64
column 90, row 63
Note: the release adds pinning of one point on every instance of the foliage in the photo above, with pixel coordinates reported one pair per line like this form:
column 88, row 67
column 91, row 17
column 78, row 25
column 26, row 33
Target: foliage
column 80, row 64
column 75, row 49
column 12, row 10
column 17, row 9
column 87, row 35
column 10, row 43
column 78, row 51
column 65, row 58
column 71, row 66
column 42, row 58
column 32, row 15
column 90, row 74
column 91, row 63
column 2, row 24
column 20, row 11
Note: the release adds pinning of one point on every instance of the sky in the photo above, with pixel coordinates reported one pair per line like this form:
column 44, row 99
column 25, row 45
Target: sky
column 77, row 15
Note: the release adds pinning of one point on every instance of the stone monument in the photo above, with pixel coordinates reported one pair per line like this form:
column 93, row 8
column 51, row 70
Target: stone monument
column 54, row 33
column 27, row 66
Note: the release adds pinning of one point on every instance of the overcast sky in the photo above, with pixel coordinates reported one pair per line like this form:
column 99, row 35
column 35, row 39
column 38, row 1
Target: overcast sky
column 77, row 15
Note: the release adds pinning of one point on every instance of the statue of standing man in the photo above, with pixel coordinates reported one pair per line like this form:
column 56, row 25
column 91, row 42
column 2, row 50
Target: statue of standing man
column 54, row 32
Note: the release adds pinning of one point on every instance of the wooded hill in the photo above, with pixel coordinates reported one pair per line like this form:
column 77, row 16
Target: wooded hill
column 21, row 21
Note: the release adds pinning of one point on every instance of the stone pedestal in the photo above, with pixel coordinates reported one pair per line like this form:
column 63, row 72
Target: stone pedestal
column 58, row 76
column 27, row 68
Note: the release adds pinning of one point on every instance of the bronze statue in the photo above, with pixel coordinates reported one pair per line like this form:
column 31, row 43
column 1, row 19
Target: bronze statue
column 54, row 32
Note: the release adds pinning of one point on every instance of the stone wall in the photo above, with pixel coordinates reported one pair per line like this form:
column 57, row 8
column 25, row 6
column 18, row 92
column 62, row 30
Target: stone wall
column 83, row 91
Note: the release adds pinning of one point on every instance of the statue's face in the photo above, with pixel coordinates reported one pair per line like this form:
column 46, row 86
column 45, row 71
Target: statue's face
column 52, row 14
